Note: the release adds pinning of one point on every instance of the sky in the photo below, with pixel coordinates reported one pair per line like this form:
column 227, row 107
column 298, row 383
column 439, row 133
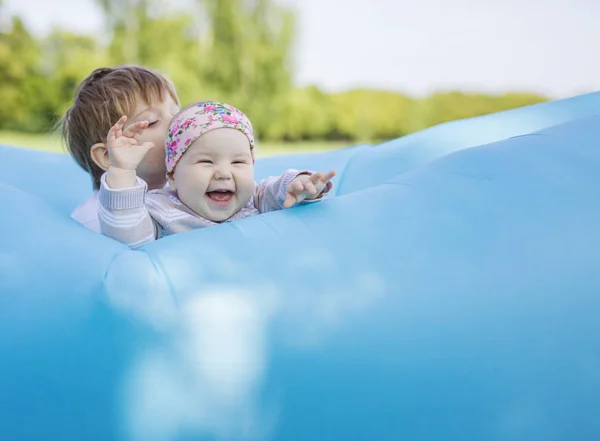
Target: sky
column 543, row 46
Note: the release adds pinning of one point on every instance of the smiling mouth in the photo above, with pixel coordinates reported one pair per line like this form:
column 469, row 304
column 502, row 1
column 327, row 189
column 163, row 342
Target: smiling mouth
column 220, row 197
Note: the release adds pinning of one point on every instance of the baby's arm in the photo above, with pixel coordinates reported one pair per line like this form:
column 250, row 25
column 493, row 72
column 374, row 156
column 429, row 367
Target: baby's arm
column 279, row 192
column 122, row 213
column 124, row 153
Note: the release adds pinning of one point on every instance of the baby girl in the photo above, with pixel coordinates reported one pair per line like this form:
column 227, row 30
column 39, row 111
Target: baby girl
column 210, row 171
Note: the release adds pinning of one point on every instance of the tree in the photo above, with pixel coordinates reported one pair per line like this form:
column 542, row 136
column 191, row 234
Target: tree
column 67, row 59
column 122, row 19
column 237, row 51
column 248, row 54
column 169, row 43
column 19, row 76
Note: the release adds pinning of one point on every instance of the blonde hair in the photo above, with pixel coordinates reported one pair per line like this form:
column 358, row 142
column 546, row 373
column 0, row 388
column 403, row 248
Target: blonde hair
column 100, row 100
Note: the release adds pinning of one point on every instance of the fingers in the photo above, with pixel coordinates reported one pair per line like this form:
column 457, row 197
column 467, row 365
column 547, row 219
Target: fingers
column 317, row 182
column 290, row 200
column 324, row 179
column 299, row 186
column 309, row 187
column 300, row 189
column 315, row 177
column 330, row 175
column 116, row 130
column 121, row 121
column 135, row 130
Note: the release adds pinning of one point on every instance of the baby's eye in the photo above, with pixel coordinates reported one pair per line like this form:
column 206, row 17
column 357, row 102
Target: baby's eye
column 152, row 123
column 239, row 162
column 204, row 161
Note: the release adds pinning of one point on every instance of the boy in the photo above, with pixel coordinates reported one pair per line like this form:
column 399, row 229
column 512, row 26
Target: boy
column 105, row 95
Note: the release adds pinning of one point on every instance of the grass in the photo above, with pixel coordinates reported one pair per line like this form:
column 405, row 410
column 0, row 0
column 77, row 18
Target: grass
column 53, row 143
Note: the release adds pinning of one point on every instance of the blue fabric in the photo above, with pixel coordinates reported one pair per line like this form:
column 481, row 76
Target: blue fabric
column 448, row 291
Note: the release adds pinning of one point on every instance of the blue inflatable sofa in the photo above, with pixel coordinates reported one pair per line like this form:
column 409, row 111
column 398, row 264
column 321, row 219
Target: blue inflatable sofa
column 448, row 290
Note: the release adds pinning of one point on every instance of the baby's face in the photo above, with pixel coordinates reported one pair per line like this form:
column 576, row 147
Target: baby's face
column 215, row 176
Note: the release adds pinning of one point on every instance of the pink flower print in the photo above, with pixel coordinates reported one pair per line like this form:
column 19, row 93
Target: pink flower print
column 187, row 141
column 210, row 108
column 230, row 119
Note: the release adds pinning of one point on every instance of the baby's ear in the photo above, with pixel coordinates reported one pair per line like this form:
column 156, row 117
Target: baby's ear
column 99, row 155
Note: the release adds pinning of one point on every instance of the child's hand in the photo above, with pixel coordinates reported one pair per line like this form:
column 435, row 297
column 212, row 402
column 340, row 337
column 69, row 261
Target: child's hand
column 123, row 149
column 306, row 187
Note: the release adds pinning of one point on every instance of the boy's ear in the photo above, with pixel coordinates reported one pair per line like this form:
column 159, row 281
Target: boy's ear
column 99, row 155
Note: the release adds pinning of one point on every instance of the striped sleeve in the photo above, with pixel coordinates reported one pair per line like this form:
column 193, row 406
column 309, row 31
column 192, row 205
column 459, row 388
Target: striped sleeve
column 269, row 194
column 123, row 215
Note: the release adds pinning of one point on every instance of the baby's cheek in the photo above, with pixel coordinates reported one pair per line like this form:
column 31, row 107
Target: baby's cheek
column 248, row 187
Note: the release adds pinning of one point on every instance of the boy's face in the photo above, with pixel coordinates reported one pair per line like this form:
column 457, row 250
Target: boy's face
column 152, row 169
column 215, row 176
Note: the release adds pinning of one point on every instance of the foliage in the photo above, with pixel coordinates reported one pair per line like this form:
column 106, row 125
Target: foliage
column 233, row 50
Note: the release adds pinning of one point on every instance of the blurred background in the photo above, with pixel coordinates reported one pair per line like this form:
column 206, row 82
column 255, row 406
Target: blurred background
column 311, row 74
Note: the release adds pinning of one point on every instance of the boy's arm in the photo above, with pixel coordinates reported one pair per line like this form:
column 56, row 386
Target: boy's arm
column 123, row 215
column 270, row 193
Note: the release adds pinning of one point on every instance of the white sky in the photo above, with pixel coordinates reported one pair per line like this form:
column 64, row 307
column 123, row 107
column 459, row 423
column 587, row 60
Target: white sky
column 416, row 47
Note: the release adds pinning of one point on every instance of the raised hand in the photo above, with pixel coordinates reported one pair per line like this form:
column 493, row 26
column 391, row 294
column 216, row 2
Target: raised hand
column 124, row 150
column 306, row 187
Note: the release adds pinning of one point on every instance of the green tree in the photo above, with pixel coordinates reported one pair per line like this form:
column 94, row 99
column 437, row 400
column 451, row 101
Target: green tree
column 171, row 43
column 233, row 50
column 122, row 20
column 67, row 59
column 247, row 56
column 304, row 114
column 368, row 115
column 448, row 106
column 19, row 77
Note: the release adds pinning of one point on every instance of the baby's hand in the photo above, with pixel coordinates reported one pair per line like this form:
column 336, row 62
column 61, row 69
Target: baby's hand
column 306, row 187
column 124, row 151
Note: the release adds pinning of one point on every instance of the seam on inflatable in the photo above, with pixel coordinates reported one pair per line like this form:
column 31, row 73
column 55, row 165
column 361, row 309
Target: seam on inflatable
column 110, row 263
column 161, row 273
column 453, row 153
column 264, row 222
column 524, row 135
column 401, row 184
column 152, row 261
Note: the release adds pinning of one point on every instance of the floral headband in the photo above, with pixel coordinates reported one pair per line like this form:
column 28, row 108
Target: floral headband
column 199, row 119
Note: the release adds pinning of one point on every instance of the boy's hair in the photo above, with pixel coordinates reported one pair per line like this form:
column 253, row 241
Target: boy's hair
column 100, row 100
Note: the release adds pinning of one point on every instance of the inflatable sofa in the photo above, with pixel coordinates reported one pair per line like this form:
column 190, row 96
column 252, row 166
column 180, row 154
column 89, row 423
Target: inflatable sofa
column 448, row 289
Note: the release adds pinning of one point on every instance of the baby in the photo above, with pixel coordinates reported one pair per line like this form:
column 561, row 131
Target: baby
column 210, row 171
